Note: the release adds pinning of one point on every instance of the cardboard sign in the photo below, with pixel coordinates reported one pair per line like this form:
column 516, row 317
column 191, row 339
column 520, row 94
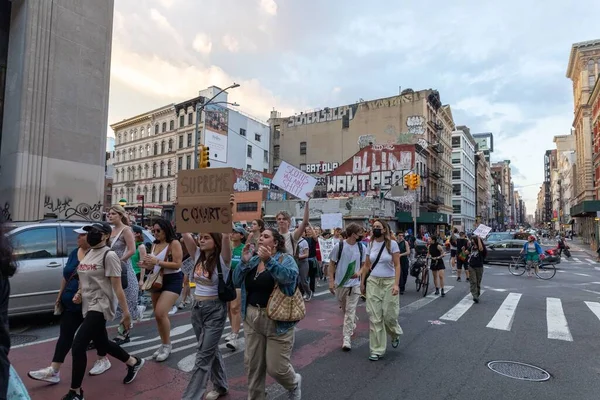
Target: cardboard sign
column 331, row 221
column 482, row 231
column 326, row 245
column 294, row 181
column 203, row 200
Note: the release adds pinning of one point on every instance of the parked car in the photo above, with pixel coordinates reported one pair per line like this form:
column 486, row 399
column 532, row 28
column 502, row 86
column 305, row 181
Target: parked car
column 495, row 237
column 41, row 250
column 503, row 252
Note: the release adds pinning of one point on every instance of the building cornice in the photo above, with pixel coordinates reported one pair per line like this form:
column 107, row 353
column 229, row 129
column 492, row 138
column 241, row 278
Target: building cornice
column 573, row 55
column 138, row 118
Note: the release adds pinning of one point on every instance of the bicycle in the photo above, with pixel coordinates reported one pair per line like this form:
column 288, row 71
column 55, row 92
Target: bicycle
column 542, row 270
column 422, row 279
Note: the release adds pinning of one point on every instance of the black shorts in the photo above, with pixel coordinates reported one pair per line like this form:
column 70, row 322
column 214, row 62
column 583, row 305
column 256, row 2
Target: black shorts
column 437, row 265
column 462, row 264
column 452, row 252
column 171, row 283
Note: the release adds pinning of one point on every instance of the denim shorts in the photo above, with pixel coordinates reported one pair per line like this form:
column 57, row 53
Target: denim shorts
column 172, row 283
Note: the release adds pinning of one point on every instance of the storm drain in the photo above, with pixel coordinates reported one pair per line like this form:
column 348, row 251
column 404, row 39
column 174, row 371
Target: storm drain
column 22, row 339
column 517, row 370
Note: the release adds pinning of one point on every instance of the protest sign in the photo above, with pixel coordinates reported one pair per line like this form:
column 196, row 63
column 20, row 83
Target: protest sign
column 331, row 221
column 326, row 245
column 294, row 181
column 482, row 231
column 203, row 200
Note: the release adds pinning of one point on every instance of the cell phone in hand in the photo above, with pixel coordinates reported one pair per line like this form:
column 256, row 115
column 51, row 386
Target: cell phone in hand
column 122, row 330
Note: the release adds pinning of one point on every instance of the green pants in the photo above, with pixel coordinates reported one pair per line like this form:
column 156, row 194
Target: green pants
column 532, row 256
column 475, row 275
column 383, row 309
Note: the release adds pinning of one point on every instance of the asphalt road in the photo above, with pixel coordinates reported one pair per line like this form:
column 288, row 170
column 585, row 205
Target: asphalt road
column 443, row 354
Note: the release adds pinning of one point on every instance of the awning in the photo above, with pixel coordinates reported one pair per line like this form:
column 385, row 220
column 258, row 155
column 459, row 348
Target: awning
column 424, row 218
column 587, row 208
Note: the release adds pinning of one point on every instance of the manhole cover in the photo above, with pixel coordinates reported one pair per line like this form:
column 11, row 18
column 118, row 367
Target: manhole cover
column 517, row 370
column 21, row 339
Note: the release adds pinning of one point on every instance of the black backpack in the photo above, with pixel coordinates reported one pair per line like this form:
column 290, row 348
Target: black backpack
column 341, row 247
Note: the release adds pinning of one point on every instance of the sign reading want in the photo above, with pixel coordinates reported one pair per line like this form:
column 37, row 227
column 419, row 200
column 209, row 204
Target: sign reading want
column 203, row 200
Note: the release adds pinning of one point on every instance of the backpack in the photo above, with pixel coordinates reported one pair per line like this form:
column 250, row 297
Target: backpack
column 453, row 240
column 341, row 247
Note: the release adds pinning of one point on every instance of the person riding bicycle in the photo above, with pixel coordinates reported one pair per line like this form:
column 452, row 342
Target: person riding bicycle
column 533, row 251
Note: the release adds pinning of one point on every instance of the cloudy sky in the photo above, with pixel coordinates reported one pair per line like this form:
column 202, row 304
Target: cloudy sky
column 499, row 64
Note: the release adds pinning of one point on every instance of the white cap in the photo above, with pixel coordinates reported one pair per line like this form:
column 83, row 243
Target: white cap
column 80, row 231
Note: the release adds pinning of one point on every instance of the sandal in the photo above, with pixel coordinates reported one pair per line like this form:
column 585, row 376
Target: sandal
column 374, row 357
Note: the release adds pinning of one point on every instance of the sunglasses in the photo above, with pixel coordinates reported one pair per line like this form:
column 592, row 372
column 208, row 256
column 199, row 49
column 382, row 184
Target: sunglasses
column 156, row 231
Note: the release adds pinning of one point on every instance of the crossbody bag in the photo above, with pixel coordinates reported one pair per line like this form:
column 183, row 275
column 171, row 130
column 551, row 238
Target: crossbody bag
column 284, row 308
column 155, row 279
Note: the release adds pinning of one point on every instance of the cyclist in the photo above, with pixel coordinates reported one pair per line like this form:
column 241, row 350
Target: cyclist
column 533, row 251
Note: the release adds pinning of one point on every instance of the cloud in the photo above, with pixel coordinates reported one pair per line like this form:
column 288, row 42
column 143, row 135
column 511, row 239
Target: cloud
column 163, row 24
column 202, row 43
column 231, row 43
column 268, row 6
column 166, row 3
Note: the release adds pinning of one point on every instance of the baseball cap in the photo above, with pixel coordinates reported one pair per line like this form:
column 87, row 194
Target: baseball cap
column 240, row 230
column 103, row 227
column 137, row 229
column 80, row 231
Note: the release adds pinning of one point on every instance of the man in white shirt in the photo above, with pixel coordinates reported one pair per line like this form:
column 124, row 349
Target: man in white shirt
column 344, row 277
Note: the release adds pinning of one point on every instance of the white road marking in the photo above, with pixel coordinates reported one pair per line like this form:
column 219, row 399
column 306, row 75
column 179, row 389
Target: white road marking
column 504, row 317
column 591, row 261
column 582, row 274
column 495, row 289
column 422, row 302
column 558, row 328
column 460, row 308
column 322, row 293
column 174, row 332
column 576, row 259
column 594, row 307
column 590, row 291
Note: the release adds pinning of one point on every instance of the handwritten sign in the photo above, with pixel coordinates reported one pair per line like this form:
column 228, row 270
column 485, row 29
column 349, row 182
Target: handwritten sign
column 326, row 245
column 482, row 231
column 331, row 221
column 294, row 181
column 203, row 200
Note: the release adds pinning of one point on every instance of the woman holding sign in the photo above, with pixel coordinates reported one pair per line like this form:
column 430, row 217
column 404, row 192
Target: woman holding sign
column 283, row 226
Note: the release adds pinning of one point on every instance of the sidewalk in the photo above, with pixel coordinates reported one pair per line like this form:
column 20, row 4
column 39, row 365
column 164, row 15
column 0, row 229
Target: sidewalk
column 577, row 244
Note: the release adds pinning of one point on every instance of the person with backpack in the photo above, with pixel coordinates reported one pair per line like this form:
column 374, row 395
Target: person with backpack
column 477, row 253
column 346, row 260
column 453, row 252
column 462, row 244
column 404, row 262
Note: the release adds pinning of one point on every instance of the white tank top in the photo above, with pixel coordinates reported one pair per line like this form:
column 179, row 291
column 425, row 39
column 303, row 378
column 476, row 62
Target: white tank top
column 161, row 257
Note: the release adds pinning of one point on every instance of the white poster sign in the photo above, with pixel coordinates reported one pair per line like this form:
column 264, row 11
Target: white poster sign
column 331, row 221
column 294, row 181
column 482, row 231
column 326, row 245
column 217, row 145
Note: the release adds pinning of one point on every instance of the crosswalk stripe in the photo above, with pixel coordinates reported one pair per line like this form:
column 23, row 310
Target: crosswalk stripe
column 590, row 261
column 505, row 315
column 415, row 305
column 459, row 309
column 576, row 259
column 594, row 307
column 558, row 328
column 580, row 274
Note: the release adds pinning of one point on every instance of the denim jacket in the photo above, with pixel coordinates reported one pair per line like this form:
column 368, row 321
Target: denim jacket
column 285, row 275
column 538, row 248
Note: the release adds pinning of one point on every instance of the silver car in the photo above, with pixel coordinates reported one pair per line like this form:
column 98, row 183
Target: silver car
column 41, row 250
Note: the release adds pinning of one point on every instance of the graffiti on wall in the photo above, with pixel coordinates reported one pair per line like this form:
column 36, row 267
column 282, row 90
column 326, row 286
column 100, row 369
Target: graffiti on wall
column 64, row 209
column 416, row 124
column 247, row 180
column 5, row 215
column 325, row 115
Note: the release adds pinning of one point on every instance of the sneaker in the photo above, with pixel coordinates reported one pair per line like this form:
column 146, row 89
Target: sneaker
column 347, row 345
column 100, row 366
column 296, row 394
column 141, row 310
column 120, row 339
column 164, row 353
column 72, row 395
column 232, row 343
column 458, row 279
column 437, row 291
column 310, row 296
column 45, row 374
column 157, row 352
column 173, row 310
column 443, row 293
column 396, row 341
column 133, row 371
column 214, row 395
column 475, row 299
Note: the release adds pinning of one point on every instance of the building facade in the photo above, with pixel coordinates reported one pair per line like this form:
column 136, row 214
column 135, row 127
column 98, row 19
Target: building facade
column 54, row 81
column 484, row 185
column 566, row 170
column 328, row 137
column 464, row 176
column 504, row 179
column 151, row 148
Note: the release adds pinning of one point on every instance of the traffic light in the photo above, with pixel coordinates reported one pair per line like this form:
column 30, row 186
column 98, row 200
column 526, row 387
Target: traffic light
column 417, row 181
column 407, row 180
column 204, row 157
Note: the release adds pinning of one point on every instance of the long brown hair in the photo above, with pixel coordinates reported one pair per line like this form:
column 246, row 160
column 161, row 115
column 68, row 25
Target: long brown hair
column 121, row 211
column 386, row 234
column 210, row 263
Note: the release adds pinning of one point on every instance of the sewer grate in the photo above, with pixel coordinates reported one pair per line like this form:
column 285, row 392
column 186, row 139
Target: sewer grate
column 22, row 339
column 517, row 370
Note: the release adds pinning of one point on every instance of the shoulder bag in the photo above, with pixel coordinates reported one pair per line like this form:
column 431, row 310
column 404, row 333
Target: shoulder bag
column 284, row 308
column 155, row 279
column 226, row 290
column 124, row 282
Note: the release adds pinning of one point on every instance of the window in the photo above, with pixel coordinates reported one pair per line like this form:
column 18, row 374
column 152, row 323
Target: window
column 456, row 209
column 135, row 135
column 141, row 151
column 181, row 120
column 276, row 132
column 456, row 174
column 249, row 151
column 455, row 142
column 302, row 167
column 156, row 129
column 162, row 147
column 190, row 118
column 35, row 244
column 248, row 167
column 179, row 163
column 591, row 67
column 242, row 132
column 170, row 144
column 456, row 189
column 168, row 192
column 169, row 164
column 266, row 156
column 117, row 175
column 153, row 194
column 302, row 148
column 119, row 139
column 188, row 162
column 142, row 131
column 154, row 170
column 139, row 171
column 146, row 171
column 257, row 137
column 171, row 125
column 118, row 156
column 180, row 142
column 160, row 194
column 189, row 140
column 162, row 169
column 276, row 152
column 155, row 148
column 591, row 81
column 247, row 207
column 148, row 150
column 455, row 158
column 164, row 126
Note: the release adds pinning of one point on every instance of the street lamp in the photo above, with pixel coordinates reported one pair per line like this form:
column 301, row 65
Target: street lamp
column 200, row 108
column 123, row 202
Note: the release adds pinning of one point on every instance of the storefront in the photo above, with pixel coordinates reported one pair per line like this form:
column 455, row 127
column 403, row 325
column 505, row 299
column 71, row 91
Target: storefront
column 586, row 221
column 432, row 222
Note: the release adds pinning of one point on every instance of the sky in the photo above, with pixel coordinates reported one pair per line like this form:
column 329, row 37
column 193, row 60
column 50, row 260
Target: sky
column 500, row 65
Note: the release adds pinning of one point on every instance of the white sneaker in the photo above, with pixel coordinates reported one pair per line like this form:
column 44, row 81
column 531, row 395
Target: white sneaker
column 214, row 395
column 157, row 352
column 296, row 394
column 347, row 345
column 45, row 374
column 100, row 366
column 232, row 342
column 173, row 310
column 141, row 310
column 164, row 352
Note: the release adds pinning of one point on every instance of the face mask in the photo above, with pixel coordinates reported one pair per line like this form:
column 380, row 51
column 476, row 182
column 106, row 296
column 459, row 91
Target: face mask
column 377, row 232
column 94, row 238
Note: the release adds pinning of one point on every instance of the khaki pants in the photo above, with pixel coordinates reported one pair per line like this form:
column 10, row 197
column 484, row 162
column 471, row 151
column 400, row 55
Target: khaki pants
column 475, row 275
column 348, row 298
column 383, row 309
column 266, row 353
